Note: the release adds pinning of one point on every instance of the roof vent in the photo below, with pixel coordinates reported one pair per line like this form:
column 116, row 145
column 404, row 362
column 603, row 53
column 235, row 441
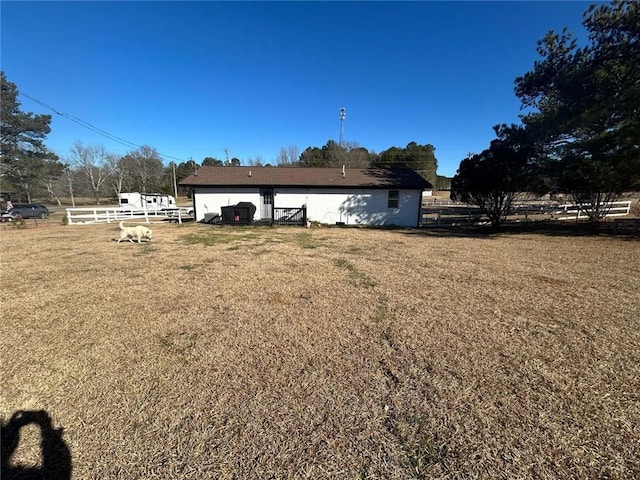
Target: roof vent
column 344, row 173
column 249, row 172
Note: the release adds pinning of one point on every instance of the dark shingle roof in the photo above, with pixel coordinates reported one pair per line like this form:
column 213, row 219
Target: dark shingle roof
column 306, row 177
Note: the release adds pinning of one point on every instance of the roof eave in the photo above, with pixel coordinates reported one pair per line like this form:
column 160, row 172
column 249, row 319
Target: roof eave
column 280, row 185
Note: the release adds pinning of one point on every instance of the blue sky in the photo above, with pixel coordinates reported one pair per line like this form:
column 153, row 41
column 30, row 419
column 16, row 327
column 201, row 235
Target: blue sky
column 195, row 78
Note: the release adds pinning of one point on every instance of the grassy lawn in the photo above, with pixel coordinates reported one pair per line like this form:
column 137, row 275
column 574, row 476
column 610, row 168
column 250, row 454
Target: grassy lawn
column 240, row 353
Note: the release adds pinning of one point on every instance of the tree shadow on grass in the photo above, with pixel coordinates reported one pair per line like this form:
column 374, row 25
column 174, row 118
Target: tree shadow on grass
column 552, row 229
column 458, row 231
column 55, row 455
column 564, row 229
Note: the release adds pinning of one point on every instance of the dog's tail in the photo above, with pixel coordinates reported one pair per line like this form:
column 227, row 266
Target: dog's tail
column 121, row 225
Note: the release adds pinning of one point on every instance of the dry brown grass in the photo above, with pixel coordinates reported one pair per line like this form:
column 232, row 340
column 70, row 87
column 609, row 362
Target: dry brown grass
column 325, row 353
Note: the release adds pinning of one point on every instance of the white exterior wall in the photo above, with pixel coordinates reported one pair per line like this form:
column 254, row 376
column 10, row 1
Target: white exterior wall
column 210, row 200
column 353, row 207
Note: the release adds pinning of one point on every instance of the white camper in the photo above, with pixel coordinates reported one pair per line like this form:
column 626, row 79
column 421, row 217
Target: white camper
column 146, row 201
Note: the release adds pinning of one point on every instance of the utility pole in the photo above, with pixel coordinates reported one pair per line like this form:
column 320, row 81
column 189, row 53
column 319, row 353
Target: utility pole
column 226, row 151
column 175, row 183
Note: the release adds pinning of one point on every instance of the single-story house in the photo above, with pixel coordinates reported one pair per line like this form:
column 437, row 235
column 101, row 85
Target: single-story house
column 350, row 196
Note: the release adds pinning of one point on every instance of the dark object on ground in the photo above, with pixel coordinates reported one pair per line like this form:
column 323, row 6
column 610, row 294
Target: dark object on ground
column 240, row 214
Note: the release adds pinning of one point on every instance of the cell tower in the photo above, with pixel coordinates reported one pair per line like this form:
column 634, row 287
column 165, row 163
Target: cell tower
column 343, row 115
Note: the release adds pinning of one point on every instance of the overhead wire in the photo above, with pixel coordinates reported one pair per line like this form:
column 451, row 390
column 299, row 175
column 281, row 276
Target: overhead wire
column 93, row 128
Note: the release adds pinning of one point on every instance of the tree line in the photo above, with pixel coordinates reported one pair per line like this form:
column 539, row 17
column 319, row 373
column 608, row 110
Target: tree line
column 581, row 133
column 29, row 169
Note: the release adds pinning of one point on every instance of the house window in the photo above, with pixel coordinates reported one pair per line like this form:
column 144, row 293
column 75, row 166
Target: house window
column 393, row 199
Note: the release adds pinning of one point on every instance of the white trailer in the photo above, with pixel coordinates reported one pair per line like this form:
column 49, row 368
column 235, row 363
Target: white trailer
column 146, row 201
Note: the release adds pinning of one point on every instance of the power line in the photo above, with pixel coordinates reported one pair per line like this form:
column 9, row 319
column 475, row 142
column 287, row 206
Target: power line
column 93, row 128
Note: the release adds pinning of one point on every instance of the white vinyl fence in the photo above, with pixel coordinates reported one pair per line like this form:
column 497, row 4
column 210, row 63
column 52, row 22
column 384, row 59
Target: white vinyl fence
column 442, row 214
column 574, row 212
column 90, row 215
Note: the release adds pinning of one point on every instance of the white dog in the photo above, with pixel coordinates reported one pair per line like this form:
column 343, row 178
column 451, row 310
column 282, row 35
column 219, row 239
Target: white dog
column 138, row 232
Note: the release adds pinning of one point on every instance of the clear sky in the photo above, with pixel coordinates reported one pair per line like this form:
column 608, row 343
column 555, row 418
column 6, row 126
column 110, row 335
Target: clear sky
column 195, row 78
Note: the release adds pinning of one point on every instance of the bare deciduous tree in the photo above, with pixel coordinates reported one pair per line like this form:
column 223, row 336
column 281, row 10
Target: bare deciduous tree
column 93, row 161
column 68, row 174
column 118, row 171
column 255, row 162
column 288, row 156
column 145, row 169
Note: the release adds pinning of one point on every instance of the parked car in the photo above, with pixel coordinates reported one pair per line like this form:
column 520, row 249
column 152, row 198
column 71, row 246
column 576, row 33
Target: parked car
column 29, row 210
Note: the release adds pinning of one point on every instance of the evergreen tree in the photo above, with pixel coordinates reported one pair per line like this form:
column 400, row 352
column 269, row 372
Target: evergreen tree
column 25, row 161
column 585, row 106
